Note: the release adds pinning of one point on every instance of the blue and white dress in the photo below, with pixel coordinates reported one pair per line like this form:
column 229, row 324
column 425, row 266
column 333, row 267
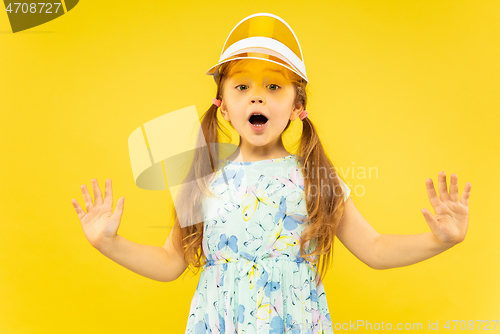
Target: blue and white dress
column 255, row 280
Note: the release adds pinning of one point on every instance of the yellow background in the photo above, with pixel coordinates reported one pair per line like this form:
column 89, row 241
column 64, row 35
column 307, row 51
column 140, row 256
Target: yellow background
column 408, row 87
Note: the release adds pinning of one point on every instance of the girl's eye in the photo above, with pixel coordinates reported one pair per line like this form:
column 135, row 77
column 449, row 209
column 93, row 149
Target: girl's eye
column 245, row 87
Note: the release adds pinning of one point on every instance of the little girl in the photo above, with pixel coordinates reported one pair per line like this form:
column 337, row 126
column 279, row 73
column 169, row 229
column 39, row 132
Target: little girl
column 263, row 236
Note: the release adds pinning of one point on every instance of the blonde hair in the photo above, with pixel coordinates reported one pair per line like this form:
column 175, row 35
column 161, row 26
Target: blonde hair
column 324, row 210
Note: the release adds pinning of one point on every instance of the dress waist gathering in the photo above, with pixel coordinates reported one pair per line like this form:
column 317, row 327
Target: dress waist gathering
column 247, row 262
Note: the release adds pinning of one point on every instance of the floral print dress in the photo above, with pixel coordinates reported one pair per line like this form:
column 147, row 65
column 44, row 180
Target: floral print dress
column 254, row 280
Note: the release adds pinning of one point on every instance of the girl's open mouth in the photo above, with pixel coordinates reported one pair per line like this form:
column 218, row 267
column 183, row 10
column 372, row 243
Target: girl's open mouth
column 258, row 122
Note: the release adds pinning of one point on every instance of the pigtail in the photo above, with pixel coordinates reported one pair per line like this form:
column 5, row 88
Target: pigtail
column 324, row 197
column 188, row 236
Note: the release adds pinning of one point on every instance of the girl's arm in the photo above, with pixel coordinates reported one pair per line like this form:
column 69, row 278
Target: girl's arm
column 163, row 264
column 100, row 226
column 383, row 251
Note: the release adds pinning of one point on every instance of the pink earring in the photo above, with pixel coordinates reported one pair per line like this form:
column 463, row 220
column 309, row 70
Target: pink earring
column 216, row 102
column 303, row 115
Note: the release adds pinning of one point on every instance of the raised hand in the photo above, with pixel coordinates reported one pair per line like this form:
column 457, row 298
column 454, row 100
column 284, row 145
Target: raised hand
column 450, row 223
column 100, row 222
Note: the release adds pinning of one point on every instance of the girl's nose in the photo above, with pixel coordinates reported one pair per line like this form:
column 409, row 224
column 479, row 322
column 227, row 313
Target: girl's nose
column 257, row 99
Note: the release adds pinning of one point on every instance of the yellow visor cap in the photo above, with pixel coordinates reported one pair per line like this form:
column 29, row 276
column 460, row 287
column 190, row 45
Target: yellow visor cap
column 263, row 36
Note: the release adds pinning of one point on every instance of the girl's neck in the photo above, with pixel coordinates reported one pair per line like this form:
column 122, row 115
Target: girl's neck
column 248, row 155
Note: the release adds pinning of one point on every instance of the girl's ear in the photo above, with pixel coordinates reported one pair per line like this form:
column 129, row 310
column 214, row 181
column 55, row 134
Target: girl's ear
column 296, row 112
column 224, row 112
